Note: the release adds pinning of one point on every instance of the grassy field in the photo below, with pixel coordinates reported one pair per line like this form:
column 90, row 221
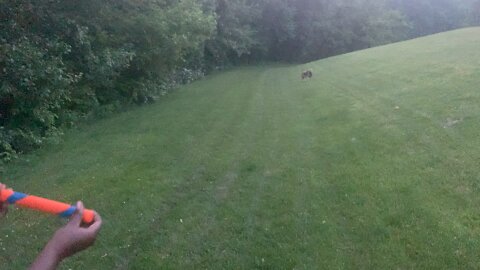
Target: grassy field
column 372, row 164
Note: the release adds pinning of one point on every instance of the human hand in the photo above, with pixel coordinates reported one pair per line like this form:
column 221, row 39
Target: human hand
column 72, row 238
column 3, row 205
column 75, row 236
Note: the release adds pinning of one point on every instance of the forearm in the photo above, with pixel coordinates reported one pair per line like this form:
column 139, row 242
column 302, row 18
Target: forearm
column 48, row 259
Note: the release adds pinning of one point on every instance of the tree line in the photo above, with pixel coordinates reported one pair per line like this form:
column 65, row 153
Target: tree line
column 62, row 61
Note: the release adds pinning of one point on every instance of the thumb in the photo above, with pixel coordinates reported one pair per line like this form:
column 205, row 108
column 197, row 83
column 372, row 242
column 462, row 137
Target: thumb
column 76, row 219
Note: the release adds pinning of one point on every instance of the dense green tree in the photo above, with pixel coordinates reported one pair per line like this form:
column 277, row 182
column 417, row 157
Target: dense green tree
column 475, row 13
column 235, row 34
column 310, row 29
column 433, row 16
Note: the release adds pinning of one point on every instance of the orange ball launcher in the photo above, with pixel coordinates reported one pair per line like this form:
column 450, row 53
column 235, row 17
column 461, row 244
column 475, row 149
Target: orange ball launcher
column 44, row 205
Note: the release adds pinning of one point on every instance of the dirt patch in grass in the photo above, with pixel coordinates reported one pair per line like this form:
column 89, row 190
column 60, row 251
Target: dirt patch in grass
column 223, row 189
column 450, row 122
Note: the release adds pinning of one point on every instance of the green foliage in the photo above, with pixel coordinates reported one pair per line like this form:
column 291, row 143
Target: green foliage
column 64, row 60
column 432, row 16
column 235, row 34
column 36, row 80
column 306, row 30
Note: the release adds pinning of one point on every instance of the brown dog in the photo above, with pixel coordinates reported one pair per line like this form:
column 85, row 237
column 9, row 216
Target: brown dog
column 307, row 74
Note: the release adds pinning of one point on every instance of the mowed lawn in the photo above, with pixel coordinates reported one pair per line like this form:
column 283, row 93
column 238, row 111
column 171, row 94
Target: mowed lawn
column 371, row 164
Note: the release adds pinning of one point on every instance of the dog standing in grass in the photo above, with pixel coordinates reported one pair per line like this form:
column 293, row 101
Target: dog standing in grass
column 307, row 74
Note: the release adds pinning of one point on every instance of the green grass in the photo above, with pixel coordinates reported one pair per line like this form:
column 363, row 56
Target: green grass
column 372, row 164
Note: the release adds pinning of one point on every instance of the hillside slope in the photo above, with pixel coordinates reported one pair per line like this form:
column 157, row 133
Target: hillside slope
column 371, row 164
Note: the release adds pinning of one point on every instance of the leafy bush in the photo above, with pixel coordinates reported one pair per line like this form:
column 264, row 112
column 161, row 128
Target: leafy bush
column 36, row 80
column 63, row 61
